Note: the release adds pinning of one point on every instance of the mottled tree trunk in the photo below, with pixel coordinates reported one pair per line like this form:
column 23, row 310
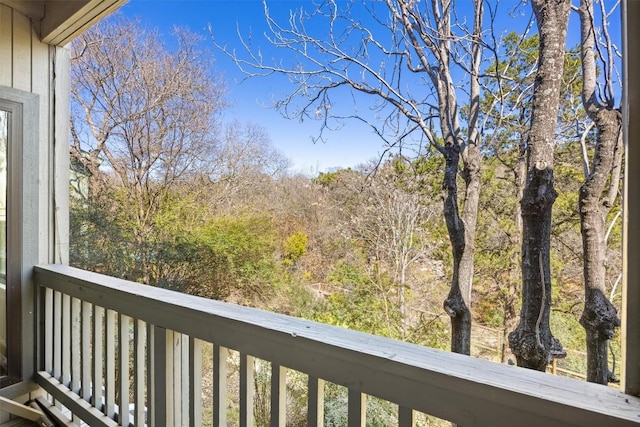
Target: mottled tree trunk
column 596, row 197
column 599, row 318
column 532, row 342
column 461, row 228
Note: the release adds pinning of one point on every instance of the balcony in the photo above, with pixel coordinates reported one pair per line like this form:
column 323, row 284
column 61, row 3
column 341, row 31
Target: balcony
column 106, row 343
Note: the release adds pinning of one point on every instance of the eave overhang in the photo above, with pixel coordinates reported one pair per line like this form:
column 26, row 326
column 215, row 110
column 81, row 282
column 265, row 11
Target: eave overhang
column 58, row 22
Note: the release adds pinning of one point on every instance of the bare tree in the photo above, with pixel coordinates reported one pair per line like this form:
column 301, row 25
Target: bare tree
column 600, row 189
column 142, row 114
column 414, row 46
column 390, row 221
column 245, row 165
column 532, row 342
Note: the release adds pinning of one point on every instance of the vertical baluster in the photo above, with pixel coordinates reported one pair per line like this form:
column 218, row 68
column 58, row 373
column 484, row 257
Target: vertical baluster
column 278, row 396
column 406, row 417
column 315, row 410
column 139, row 339
column 57, row 335
column 65, row 343
column 98, row 314
column 76, row 347
column 357, row 409
column 167, row 369
column 162, row 376
column 110, row 363
column 195, row 382
column 151, row 375
column 123, row 370
column 48, row 330
column 220, row 356
column 247, row 390
column 185, row 396
column 86, row 354
column 176, row 380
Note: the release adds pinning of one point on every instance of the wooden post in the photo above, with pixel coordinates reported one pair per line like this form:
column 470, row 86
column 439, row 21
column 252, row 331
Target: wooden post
column 631, row 200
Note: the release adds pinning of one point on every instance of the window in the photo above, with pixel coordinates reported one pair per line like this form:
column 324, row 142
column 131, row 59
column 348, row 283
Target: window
column 18, row 232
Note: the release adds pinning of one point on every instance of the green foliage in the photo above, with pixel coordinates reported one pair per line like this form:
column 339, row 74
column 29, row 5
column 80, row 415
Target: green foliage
column 98, row 242
column 326, row 179
column 294, row 247
column 229, row 254
column 567, row 329
column 185, row 250
column 354, row 304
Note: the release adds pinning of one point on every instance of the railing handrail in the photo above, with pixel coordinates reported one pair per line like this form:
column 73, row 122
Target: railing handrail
column 462, row 389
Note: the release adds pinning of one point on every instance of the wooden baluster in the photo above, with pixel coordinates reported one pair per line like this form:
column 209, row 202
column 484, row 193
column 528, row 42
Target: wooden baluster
column 315, row 410
column 76, row 346
column 86, row 344
column 406, row 417
column 139, row 342
column 176, row 368
column 110, row 363
column 98, row 314
column 357, row 409
column 278, row 396
column 48, row 330
column 65, row 342
column 220, row 356
column 57, row 335
column 195, row 382
column 162, row 376
column 247, row 390
column 123, row 370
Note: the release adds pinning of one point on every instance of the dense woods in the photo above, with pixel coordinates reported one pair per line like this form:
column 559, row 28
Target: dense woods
column 164, row 192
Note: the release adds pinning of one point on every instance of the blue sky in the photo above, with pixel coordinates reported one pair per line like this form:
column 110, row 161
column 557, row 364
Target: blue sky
column 353, row 144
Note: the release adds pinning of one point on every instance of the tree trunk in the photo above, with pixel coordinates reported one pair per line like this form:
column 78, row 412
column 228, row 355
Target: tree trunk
column 462, row 235
column 532, row 342
column 596, row 197
column 599, row 318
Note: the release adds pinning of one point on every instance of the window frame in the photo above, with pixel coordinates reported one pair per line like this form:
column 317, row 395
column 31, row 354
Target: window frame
column 631, row 200
column 22, row 232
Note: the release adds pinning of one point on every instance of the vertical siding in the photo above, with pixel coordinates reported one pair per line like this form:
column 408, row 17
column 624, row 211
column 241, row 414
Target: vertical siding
column 21, row 60
column 29, row 65
column 6, row 42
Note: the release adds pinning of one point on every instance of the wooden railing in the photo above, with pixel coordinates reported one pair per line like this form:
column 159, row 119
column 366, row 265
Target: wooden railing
column 108, row 344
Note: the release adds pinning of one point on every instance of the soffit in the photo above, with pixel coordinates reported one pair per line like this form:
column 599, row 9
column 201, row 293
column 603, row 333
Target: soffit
column 60, row 21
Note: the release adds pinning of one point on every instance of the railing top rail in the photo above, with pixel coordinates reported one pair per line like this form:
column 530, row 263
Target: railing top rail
column 462, row 389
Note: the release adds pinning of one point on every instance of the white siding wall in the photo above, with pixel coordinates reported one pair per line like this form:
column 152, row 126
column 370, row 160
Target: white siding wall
column 29, row 65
